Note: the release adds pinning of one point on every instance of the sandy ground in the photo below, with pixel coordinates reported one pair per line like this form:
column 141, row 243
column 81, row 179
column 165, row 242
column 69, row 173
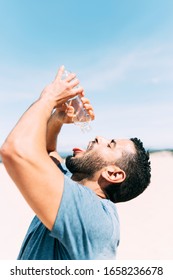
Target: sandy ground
column 146, row 222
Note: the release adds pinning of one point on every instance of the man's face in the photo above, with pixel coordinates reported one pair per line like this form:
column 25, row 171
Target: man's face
column 100, row 153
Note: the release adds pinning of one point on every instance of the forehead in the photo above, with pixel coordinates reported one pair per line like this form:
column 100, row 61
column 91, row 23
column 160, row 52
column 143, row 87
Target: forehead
column 125, row 144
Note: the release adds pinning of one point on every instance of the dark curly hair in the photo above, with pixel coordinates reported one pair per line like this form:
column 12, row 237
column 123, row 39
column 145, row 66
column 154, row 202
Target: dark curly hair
column 138, row 174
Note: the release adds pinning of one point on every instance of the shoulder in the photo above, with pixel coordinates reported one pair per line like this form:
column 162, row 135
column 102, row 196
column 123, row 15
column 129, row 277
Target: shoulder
column 88, row 206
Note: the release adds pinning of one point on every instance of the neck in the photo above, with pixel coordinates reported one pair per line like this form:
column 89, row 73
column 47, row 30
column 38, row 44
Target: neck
column 91, row 183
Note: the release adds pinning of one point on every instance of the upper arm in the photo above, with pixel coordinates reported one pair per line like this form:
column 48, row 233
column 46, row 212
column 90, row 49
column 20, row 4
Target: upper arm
column 41, row 183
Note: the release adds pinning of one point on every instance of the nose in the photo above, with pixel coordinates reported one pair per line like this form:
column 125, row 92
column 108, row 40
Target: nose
column 100, row 140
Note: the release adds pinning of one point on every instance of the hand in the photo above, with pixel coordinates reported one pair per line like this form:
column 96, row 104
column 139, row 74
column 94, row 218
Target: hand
column 65, row 113
column 59, row 91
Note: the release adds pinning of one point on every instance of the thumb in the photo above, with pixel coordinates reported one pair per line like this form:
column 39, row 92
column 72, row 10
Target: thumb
column 70, row 111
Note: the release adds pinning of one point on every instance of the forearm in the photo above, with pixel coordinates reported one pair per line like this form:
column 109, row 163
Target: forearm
column 53, row 130
column 28, row 138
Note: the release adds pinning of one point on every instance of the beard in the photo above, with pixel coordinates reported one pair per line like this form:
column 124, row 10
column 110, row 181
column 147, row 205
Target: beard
column 86, row 166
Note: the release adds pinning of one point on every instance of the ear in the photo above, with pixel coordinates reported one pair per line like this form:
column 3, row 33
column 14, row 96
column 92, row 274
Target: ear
column 113, row 174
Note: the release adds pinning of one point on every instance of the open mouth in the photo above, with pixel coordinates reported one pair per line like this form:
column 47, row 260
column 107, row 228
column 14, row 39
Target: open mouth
column 77, row 151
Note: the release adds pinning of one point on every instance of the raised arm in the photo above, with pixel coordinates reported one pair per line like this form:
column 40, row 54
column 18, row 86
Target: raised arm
column 53, row 130
column 25, row 155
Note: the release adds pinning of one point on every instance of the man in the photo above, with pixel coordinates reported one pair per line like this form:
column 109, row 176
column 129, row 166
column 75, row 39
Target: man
column 76, row 217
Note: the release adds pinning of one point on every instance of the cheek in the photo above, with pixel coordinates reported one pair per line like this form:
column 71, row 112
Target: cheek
column 107, row 154
column 110, row 155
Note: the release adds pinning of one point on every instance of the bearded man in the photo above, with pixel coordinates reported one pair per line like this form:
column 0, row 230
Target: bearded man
column 74, row 202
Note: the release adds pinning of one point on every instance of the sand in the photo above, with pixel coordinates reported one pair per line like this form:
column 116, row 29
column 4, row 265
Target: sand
column 146, row 222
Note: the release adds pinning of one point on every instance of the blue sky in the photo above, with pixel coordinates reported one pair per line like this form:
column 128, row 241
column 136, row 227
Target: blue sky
column 122, row 52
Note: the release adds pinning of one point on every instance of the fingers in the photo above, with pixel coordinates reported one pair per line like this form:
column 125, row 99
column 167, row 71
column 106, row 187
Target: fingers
column 70, row 88
column 74, row 82
column 85, row 100
column 68, row 75
column 78, row 91
column 91, row 113
column 70, row 111
column 87, row 105
column 60, row 72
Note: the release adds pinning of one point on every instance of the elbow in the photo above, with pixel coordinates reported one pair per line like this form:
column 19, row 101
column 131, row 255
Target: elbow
column 8, row 152
column 13, row 151
column 5, row 152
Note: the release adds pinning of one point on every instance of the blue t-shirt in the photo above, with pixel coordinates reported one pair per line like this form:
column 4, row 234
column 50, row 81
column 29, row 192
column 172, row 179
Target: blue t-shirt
column 86, row 228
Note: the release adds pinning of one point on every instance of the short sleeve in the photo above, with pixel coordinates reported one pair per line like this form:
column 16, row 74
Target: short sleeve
column 85, row 224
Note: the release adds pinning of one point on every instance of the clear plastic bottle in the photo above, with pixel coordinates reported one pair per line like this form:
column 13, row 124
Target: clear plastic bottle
column 81, row 118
